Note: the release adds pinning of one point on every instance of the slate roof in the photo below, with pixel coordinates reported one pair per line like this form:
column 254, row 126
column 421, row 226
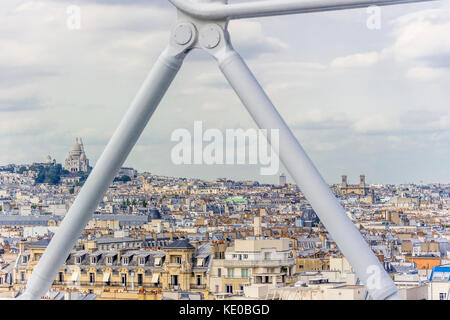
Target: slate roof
column 43, row 243
column 179, row 244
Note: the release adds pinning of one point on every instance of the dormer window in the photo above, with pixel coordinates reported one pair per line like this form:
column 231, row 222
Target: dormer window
column 77, row 260
column 125, row 260
column 141, row 260
column 93, row 260
column 109, row 260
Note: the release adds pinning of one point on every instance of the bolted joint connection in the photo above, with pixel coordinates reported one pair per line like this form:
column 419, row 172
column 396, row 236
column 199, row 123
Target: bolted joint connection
column 184, row 34
column 210, row 36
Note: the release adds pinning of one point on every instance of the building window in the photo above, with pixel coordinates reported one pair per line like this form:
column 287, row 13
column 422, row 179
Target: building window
column 141, row 261
column 22, row 276
column 245, row 256
column 230, row 273
column 244, row 273
column 199, row 280
column 140, row 279
column 219, row 272
column 24, row 259
column 93, row 260
column 125, row 261
column 174, row 280
column 109, row 260
column 77, row 260
column 176, row 259
column 61, row 277
column 91, row 277
column 123, row 278
column 229, row 288
column 442, row 296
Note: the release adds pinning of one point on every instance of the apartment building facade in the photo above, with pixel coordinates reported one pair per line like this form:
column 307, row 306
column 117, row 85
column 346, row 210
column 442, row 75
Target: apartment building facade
column 247, row 262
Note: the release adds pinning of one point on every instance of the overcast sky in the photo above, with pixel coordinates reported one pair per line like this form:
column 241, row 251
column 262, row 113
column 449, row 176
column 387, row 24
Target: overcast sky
column 359, row 100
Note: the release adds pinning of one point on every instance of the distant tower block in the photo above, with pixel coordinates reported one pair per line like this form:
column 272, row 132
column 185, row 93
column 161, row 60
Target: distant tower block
column 282, row 179
column 344, row 181
column 257, row 230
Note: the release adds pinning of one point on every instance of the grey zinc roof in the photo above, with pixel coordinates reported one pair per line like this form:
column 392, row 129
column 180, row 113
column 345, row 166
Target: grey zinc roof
column 203, row 251
column 179, row 244
column 40, row 243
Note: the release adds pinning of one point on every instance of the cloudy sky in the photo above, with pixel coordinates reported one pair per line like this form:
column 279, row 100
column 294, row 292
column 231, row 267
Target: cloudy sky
column 359, row 100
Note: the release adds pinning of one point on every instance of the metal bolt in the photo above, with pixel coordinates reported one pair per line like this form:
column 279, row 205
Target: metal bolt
column 210, row 36
column 183, row 34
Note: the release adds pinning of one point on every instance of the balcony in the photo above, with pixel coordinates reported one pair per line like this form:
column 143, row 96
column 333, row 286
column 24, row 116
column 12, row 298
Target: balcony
column 174, row 286
column 258, row 263
column 144, row 285
column 197, row 286
column 174, row 264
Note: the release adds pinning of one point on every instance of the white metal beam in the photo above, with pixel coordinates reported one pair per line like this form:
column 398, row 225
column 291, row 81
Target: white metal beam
column 217, row 10
column 107, row 166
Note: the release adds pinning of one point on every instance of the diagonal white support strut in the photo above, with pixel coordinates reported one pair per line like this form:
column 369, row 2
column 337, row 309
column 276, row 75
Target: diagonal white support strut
column 107, row 166
column 203, row 24
column 307, row 177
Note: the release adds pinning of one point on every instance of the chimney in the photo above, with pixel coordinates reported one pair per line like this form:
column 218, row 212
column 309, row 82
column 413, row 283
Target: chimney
column 22, row 246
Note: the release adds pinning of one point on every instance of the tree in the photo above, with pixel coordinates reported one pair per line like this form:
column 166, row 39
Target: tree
column 49, row 174
column 144, row 204
column 125, row 178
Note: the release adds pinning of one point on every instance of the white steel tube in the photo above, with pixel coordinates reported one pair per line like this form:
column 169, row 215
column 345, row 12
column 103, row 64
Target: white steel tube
column 214, row 10
column 342, row 230
column 112, row 158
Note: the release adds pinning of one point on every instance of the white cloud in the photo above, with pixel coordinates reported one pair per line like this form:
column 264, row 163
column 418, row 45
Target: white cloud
column 422, row 41
column 251, row 40
column 426, row 73
column 85, row 79
column 358, row 60
column 376, row 123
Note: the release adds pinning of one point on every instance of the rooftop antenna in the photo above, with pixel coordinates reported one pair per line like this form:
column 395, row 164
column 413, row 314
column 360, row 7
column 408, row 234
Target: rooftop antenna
column 203, row 24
